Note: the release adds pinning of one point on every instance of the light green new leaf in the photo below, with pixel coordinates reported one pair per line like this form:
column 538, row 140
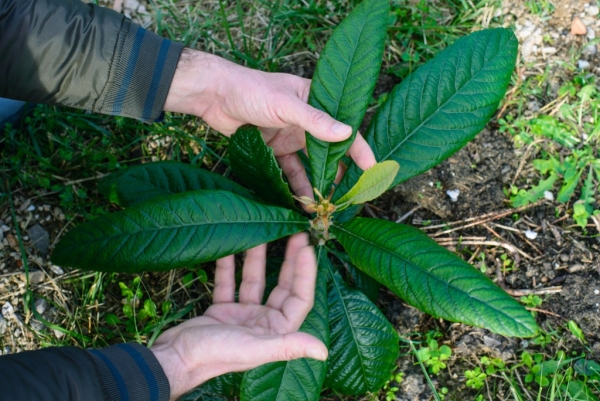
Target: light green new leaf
column 441, row 106
column 372, row 183
column 430, row 277
column 299, row 379
column 254, row 163
column 364, row 345
column 174, row 231
column 344, row 80
column 140, row 183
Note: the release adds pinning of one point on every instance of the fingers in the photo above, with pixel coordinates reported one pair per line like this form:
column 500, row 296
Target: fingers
column 320, row 124
column 224, row 290
column 302, row 295
column 293, row 346
column 253, row 283
column 296, row 174
column 361, row 153
column 295, row 291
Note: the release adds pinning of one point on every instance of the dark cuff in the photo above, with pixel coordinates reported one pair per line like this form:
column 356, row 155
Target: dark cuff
column 131, row 372
column 140, row 77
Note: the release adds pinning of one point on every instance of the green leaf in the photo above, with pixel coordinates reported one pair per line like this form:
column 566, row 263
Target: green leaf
column 362, row 281
column 571, row 179
column 587, row 367
column 430, row 277
column 254, row 163
column 344, row 80
column 437, row 109
column 220, row 388
column 299, row 379
column 578, row 391
column 372, row 183
column 174, row 231
column 140, row 183
column 524, row 197
column 364, row 345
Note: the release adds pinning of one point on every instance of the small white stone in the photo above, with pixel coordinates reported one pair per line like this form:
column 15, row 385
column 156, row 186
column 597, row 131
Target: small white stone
column 583, row 65
column 593, row 11
column 591, row 34
column 430, row 183
column 453, row 194
column 58, row 334
column 57, row 270
column 596, row 292
column 7, row 310
column 531, row 234
column 41, row 305
column 31, row 208
column 5, row 228
column 548, row 195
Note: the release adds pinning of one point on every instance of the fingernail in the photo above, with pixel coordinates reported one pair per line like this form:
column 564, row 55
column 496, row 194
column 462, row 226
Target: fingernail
column 316, row 353
column 341, row 129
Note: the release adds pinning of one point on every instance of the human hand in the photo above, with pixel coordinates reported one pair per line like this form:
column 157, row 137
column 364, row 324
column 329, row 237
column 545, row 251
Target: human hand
column 237, row 336
column 226, row 96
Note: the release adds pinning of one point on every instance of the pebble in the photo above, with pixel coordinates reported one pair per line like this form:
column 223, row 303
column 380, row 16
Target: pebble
column 548, row 195
column 578, row 27
column 593, row 11
column 3, row 325
column 576, row 268
column 491, row 342
column 58, row 334
column 31, row 208
column 7, row 310
column 57, row 270
column 591, row 34
column 5, row 228
column 564, row 257
column 41, row 305
column 37, row 325
column 453, row 194
column 583, row 65
column 531, row 234
column 36, row 277
column 131, row 4
column 39, row 238
column 596, row 292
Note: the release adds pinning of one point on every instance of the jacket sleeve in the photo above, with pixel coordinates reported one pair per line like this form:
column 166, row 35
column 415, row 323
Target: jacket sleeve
column 124, row 372
column 69, row 53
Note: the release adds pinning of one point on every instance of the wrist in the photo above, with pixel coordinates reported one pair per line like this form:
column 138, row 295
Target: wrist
column 195, row 85
column 182, row 377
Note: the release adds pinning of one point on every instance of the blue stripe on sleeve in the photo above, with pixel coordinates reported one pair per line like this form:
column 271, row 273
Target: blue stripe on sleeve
column 128, row 76
column 123, row 392
column 144, row 368
column 158, row 69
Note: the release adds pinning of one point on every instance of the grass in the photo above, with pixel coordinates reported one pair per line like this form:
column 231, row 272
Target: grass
column 57, row 155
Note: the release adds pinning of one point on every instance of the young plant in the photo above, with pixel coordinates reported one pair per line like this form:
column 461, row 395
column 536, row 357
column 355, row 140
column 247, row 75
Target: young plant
column 178, row 215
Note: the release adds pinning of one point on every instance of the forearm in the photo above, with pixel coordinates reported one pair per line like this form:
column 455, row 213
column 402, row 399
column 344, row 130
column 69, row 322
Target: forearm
column 121, row 372
column 74, row 54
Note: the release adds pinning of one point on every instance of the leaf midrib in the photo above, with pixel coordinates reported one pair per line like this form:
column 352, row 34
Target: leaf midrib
column 196, row 225
column 328, row 145
column 414, row 131
column 425, row 272
column 339, row 292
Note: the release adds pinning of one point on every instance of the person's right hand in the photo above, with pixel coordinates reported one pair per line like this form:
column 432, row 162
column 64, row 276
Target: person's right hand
column 237, row 336
column 226, row 96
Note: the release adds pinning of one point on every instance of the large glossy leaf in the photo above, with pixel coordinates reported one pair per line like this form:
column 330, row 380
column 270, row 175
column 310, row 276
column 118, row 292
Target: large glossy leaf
column 442, row 105
column 299, row 379
column 254, row 163
column 344, row 80
column 430, row 277
column 220, row 388
column 174, row 231
column 140, row 183
column 360, row 280
column 372, row 183
column 364, row 345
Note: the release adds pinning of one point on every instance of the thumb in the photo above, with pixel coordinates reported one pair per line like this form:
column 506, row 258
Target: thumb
column 293, row 346
column 320, row 124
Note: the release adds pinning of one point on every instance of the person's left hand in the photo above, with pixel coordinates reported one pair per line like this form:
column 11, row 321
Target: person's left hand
column 237, row 336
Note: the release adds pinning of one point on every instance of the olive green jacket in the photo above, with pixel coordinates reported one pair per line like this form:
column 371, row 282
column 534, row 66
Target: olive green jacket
column 82, row 55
